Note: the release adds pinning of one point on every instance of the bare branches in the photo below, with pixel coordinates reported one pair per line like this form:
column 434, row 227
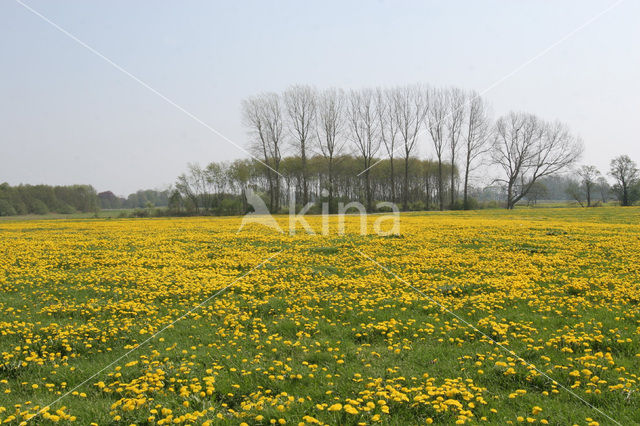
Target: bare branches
column 388, row 129
column 588, row 176
column 330, row 126
column 476, row 138
column 262, row 115
column 478, row 132
column 523, row 147
column 364, row 130
column 300, row 103
column 436, row 114
column 330, row 122
column 626, row 173
column 527, row 148
column 409, row 106
column 456, row 103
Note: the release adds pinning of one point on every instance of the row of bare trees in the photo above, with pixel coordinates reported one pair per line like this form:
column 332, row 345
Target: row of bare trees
column 452, row 125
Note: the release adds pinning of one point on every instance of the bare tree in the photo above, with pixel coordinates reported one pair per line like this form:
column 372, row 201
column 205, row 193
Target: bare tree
column 537, row 192
column 187, row 186
column 526, row 149
column 436, row 114
column 388, row 130
column 476, row 139
column 574, row 190
column 300, row 102
column 588, row 176
column 454, row 120
column 262, row 115
column 426, row 171
column 216, row 177
column 603, row 188
column 625, row 172
column 275, row 134
column 364, row 128
column 330, row 127
column 410, row 108
column 254, row 112
column 201, row 183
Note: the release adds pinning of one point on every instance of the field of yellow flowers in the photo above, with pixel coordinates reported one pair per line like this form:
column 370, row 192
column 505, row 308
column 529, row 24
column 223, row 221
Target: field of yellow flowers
column 530, row 316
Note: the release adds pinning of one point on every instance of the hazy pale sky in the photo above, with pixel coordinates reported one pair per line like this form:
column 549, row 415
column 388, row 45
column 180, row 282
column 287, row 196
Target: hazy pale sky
column 67, row 116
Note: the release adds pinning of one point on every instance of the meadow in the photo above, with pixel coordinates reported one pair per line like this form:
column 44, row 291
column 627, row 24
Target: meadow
column 486, row 317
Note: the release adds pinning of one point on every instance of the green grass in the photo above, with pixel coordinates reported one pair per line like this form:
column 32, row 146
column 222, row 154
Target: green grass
column 101, row 214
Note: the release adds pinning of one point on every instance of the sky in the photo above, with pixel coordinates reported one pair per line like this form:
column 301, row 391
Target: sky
column 68, row 116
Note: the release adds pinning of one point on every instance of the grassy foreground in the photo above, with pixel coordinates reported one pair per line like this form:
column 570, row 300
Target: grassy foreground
column 321, row 333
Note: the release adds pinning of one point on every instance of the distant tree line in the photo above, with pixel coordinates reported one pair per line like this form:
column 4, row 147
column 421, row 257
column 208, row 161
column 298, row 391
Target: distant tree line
column 141, row 199
column 219, row 188
column 43, row 199
column 589, row 187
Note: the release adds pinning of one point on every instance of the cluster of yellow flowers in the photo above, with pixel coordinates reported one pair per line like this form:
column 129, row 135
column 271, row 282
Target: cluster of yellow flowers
column 320, row 334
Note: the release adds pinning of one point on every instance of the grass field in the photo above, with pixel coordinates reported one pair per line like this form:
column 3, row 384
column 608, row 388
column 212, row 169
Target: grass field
column 489, row 317
column 104, row 214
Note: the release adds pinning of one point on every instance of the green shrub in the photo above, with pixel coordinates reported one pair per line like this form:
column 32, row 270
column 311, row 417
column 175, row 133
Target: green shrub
column 417, row 206
column 65, row 208
column 6, row 209
column 140, row 213
column 493, row 204
column 39, row 207
column 457, row 205
column 472, row 204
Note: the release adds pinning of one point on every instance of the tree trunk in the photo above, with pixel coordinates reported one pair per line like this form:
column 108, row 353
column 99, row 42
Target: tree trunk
column 426, row 189
column 305, row 187
column 271, row 191
column 510, row 196
column 367, row 188
column 243, row 196
column 453, row 191
column 330, row 184
column 276, row 195
column 393, row 182
column 465, row 200
column 440, row 186
column 405, row 186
